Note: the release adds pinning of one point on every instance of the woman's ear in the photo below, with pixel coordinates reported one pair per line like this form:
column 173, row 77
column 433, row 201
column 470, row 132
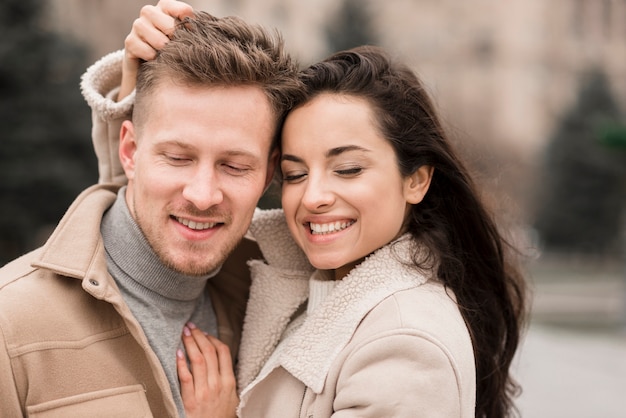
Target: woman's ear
column 128, row 146
column 416, row 185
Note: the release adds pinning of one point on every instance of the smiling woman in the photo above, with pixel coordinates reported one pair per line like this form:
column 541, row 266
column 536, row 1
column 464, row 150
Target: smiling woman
column 413, row 287
column 336, row 165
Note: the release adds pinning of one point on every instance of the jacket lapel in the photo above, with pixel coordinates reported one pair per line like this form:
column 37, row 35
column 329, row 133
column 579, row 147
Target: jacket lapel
column 310, row 353
column 280, row 287
column 277, row 291
column 275, row 295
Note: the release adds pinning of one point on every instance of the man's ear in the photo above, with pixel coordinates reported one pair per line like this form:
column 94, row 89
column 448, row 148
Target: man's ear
column 128, row 146
column 271, row 167
column 416, row 185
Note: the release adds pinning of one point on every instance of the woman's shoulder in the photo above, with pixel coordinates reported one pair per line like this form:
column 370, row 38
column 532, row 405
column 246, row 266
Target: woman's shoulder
column 413, row 342
column 429, row 312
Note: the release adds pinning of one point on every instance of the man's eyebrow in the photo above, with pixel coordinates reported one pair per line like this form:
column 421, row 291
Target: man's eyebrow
column 184, row 145
column 175, row 143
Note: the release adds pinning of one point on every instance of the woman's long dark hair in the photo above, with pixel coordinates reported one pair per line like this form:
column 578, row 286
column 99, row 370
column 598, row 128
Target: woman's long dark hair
column 463, row 240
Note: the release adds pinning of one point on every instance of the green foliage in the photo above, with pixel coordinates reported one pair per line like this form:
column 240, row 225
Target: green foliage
column 614, row 136
column 583, row 184
column 46, row 157
column 351, row 27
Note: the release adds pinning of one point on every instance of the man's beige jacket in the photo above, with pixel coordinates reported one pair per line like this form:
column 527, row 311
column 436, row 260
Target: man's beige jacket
column 69, row 345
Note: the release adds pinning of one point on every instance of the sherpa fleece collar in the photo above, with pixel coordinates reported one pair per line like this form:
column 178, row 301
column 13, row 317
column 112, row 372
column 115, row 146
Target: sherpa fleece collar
column 277, row 291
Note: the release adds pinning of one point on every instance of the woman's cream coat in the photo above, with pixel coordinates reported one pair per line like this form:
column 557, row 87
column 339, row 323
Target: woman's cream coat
column 387, row 342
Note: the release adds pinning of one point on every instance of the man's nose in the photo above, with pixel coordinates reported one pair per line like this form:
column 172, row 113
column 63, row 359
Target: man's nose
column 203, row 189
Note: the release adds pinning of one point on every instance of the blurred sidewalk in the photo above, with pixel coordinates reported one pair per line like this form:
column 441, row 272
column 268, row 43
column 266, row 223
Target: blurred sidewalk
column 572, row 374
column 572, row 363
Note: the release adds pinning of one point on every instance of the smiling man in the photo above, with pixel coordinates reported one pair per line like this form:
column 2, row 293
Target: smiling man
column 90, row 323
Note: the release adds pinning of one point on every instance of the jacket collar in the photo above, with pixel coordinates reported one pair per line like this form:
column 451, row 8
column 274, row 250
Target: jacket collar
column 330, row 327
column 309, row 353
column 278, row 289
column 73, row 248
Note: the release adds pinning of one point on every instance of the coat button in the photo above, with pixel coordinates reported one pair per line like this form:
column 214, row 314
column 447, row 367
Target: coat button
column 94, row 282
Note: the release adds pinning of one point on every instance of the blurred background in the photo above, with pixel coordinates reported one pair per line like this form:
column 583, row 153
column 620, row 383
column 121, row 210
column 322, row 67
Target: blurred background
column 532, row 91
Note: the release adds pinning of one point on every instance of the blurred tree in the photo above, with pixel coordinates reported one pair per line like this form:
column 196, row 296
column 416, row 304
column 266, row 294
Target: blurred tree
column 46, row 157
column 581, row 198
column 351, row 27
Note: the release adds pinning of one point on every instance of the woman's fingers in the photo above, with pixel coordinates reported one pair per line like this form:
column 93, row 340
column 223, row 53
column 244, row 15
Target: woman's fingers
column 177, row 9
column 149, row 34
column 185, row 377
column 200, row 356
column 225, row 363
column 212, row 390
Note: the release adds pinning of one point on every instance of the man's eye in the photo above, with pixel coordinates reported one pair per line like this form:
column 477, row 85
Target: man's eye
column 236, row 169
column 177, row 159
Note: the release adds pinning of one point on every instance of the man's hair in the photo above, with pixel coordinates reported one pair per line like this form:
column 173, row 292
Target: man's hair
column 209, row 51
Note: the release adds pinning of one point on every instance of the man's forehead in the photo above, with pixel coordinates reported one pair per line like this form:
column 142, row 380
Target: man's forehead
column 181, row 114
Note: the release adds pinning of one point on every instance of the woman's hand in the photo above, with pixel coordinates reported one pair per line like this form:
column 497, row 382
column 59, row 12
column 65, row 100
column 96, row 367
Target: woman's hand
column 150, row 32
column 209, row 388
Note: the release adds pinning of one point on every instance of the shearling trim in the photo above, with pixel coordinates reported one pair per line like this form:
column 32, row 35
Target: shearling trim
column 265, row 322
column 274, row 297
column 277, row 291
column 269, row 229
column 99, row 81
column 309, row 354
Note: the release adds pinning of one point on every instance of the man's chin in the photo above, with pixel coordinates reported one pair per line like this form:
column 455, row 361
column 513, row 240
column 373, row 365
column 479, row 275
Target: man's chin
column 197, row 265
column 196, row 259
column 189, row 268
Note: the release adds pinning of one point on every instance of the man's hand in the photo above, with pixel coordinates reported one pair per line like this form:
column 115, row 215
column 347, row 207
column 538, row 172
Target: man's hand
column 149, row 33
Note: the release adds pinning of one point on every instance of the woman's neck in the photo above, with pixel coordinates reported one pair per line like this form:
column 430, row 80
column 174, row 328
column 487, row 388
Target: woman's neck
column 341, row 272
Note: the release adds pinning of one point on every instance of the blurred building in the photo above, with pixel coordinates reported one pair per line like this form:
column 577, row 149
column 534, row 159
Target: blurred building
column 502, row 71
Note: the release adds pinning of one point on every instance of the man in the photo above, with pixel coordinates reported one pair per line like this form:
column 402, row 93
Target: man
column 90, row 323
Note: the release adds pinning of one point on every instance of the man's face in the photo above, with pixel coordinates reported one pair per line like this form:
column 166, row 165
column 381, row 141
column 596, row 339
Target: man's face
column 197, row 169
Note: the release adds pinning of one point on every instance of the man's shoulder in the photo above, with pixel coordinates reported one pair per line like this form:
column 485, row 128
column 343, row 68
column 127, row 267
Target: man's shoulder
column 22, row 279
column 19, row 268
column 25, row 289
column 47, row 301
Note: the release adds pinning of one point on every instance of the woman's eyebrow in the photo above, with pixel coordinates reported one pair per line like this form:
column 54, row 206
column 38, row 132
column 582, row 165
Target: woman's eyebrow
column 289, row 157
column 333, row 152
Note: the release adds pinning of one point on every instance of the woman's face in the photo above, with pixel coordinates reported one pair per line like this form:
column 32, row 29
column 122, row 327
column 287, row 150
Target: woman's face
column 343, row 194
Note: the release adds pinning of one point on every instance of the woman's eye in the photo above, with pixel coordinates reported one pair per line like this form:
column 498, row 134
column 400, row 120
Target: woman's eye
column 351, row 171
column 293, row 177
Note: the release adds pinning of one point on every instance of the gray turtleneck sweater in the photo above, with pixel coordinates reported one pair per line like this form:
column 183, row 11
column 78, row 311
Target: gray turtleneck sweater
column 161, row 299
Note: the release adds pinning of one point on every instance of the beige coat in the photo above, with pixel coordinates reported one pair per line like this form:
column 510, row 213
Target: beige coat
column 387, row 342
column 69, row 345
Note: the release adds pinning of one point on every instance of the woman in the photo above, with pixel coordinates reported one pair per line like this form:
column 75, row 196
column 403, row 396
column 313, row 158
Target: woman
column 412, row 306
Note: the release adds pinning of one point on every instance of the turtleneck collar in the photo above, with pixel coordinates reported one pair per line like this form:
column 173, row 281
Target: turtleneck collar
column 130, row 251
